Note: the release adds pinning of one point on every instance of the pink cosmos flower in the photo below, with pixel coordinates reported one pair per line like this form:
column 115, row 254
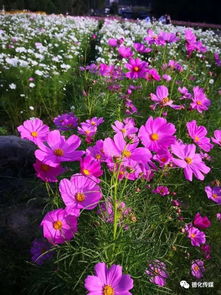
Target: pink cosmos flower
column 127, row 128
column 167, row 77
column 217, row 137
column 130, row 107
column 189, row 160
column 125, row 52
column 168, row 37
column 214, row 193
column 201, row 222
column 90, row 167
column 197, row 268
column 141, row 48
column 95, row 121
column 196, row 236
column 206, row 251
column 217, row 59
column 97, row 151
column 66, row 121
column 119, row 148
column 47, row 173
column 192, row 44
column 137, row 68
column 157, row 273
column 80, row 192
column 59, row 226
column 174, row 65
column 218, row 216
column 163, row 156
column 162, row 98
column 157, row 134
column 200, row 101
column 34, row 130
column 153, row 38
column 185, row 93
column 108, row 281
column 161, row 190
column 86, row 129
column 58, row 149
column 198, row 134
column 152, row 74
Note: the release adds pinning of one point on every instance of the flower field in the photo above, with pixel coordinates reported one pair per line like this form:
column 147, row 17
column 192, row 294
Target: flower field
column 125, row 118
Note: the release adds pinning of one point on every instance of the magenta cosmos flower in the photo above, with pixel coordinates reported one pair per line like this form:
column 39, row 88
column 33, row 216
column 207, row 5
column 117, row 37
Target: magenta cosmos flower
column 200, row 101
column 214, row 193
column 157, row 134
column 125, row 52
column 189, row 160
column 46, row 172
column 80, row 192
column 58, row 149
column 196, row 236
column 217, row 137
column 120, row 149
column 197, row 268
column 59, row 226
column 201, row 221
column 198, row 134
column 90, row 167
column 40, row 251
column 136, row 67
column 66, row 121
column 157, row 272
column 162, row 98
column 108, row 281
column 34, row 130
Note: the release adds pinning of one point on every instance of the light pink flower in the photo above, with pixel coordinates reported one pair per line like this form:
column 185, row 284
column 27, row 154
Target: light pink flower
column 189, row 160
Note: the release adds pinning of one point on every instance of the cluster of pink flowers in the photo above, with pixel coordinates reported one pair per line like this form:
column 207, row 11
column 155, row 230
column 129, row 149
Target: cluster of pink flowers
column 192, row 44
column 89, row 128
column 157, row 273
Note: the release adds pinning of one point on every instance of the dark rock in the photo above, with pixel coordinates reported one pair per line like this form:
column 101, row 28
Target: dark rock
column 16, row 156
column 16, row 163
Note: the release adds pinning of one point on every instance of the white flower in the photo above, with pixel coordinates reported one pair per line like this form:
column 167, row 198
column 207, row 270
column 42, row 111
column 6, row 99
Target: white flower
column 31, row 108
column 32, row 85
column 12, row 86
column 211, row 81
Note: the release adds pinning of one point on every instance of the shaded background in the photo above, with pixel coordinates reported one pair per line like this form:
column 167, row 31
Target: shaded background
column 187, row 10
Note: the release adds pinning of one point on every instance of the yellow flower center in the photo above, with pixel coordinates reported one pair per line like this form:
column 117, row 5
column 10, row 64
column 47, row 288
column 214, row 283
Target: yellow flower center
column 214, row 196
column 57, row 225
column 198, row 102
column 98, row 157
column 59, row 152
column 93, row 123
column 87, row 132
column 188, row 160
column 136, row 69
column 154, row 136
column 108, row 290
column 34, row 134
column 192, row 235
column 126, row 153
column 163, row 160
column 196, row 268
column 196, row 139
column 80, row 197
column 123, row 130
column 156, row 270
column 165, row 100
column 45, row 167
column 86, row 172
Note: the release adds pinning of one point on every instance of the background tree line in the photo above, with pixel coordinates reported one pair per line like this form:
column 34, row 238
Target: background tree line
column 73, row 7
